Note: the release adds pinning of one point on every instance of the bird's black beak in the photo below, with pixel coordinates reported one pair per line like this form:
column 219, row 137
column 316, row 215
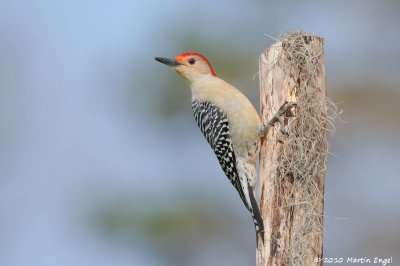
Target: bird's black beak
column 168, row 62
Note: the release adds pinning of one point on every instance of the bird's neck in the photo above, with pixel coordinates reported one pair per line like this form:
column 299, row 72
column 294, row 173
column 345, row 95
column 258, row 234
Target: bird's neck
column 207, row 86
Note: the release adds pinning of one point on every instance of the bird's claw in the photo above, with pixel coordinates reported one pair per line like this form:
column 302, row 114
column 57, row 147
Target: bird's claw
column 284, row 131
column 263, row 129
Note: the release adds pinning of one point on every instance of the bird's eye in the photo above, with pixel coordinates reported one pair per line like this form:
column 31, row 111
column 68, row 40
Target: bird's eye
column 192, row 61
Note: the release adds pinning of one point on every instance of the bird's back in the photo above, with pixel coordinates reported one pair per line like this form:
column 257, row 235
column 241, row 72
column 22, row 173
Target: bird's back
column 241, row 114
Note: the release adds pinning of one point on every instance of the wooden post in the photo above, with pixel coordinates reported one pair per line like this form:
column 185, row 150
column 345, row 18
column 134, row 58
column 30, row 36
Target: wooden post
column 292, row 166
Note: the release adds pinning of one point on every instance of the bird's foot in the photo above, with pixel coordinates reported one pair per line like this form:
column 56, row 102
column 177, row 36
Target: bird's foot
column 263, row 130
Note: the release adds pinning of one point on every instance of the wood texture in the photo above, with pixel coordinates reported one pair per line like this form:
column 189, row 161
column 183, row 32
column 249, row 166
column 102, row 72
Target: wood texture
column 277, row 86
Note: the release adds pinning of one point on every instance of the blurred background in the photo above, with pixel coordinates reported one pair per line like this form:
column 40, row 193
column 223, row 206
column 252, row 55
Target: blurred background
column 101, row 162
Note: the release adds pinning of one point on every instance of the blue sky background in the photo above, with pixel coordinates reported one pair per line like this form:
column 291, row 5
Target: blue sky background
column 101, row 162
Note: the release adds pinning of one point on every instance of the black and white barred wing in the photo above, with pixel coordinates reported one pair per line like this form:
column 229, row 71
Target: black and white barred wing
column 215, row 127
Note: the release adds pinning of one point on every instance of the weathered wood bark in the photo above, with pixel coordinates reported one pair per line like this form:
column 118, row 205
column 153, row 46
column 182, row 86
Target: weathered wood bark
column 291, row 208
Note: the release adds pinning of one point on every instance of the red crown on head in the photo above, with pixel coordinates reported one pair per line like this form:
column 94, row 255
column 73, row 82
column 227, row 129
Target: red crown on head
column 183, row 56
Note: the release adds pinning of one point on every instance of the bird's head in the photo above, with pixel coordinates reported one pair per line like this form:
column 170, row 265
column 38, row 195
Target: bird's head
column 189, row 66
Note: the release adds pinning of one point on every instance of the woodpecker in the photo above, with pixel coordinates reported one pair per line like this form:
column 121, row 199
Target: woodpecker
column 228, row 121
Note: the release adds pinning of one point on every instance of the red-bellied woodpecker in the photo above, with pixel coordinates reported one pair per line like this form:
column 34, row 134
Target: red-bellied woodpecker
column 229, row 122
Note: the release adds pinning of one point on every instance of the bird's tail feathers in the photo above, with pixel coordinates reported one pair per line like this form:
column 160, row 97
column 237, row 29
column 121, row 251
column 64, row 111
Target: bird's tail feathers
column 256, row 215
